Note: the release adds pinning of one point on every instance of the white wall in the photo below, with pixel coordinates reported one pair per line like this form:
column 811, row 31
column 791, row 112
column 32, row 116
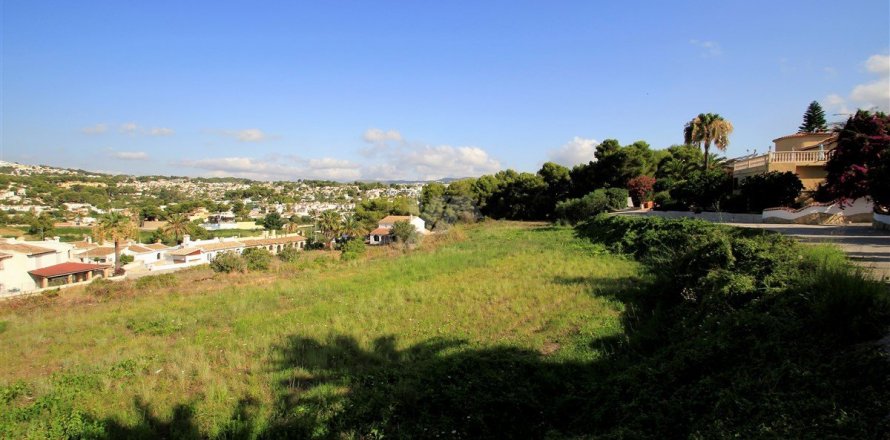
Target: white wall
column 859, row 206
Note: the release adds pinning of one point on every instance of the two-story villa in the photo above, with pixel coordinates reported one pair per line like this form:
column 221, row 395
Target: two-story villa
column 804, row 154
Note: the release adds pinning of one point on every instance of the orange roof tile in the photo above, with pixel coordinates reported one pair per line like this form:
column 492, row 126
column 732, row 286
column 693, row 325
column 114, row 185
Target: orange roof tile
column 63, row 269
column 24, row 248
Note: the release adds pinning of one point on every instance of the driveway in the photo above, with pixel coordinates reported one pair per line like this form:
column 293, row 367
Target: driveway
column 867, row 247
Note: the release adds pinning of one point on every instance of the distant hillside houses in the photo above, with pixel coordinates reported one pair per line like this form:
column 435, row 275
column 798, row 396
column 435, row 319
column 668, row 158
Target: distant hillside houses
column 31, row 266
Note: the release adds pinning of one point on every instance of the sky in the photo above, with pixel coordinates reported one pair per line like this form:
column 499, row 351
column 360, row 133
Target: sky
column 416, row 89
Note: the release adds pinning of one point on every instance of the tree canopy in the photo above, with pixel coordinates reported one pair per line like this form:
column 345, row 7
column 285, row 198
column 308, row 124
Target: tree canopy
column 858, row 167
column 813, row 119
column 706, row 129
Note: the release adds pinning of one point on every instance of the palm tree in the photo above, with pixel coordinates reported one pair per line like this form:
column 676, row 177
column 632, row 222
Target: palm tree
column 118, row 228
column 352, row 227
column 706, row 129
column 178, row 225
column 330, row 223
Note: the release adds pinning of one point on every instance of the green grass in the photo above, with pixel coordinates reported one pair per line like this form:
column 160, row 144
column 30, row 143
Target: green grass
column 317, row 347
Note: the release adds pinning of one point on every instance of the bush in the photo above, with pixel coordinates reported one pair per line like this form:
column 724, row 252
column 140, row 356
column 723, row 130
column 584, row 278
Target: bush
column 257, row 258
column 703, row 190
column 405, row 233
column 127, row 259
column 289, row 254
column 156, row 281
column 602, row 200
column 699, row 258
column 228, row 262
column 640, row 188
column 352, row 249
column 770, row 190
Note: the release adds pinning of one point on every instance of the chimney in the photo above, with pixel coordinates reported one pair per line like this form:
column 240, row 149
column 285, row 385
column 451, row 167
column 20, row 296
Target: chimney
column 56, row 239
column 89, row 239
column 186, row 239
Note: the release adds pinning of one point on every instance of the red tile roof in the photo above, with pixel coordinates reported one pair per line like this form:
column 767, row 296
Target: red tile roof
column 24, row 248
column 63, row 269
column 381, row 231
column 825, row 134
column 395, row 218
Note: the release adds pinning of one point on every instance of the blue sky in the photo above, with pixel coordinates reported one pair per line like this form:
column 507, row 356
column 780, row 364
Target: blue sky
column 421, row 89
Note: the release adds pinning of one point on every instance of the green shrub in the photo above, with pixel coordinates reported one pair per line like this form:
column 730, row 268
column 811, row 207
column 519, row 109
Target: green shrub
column 572, row 211
column 228, row 262
column 289, row 254
column 101, row 287
column 156, row 281
column 352, row 249
column 127, row 259
column 156, row 326
column 257, row 258
column 617, row 198
column 770, row 190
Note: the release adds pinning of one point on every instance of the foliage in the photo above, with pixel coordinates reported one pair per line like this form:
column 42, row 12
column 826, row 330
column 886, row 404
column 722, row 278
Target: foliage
column 572, row 211
column 273, row 221
column 706, row 129
column 405, row 233
column 769, row 190
column 117, row 228
column 368, row 212
column 614, row 166
column 228, row 262
column 289, row 254
column 178, row 226
column 127, row 259
column 257, row 258
column 43, row 225
column 352, row 249
column 640, row 188
column 703, row 190
column 813, row 119
column 862, row 145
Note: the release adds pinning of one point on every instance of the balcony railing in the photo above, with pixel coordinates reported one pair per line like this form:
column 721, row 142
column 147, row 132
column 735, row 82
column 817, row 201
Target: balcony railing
column 801, row 157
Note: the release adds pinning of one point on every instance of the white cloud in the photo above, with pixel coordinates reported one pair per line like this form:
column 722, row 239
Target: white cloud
column 95, row 129
column 577, row 151
column 129, row 155
column 161, row 131
column 276, row 168
column 435, row 162
column 248, row 135
column 377, row 136
column 709, row 49
column 879, row 64
column 874, row 94
column 129, row 128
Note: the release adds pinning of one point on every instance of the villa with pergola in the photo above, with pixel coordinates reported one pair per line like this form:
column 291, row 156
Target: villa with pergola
column 68, row 273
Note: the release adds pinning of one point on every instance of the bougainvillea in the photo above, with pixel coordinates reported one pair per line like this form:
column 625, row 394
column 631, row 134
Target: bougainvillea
column 640, row 188
column 857, row 168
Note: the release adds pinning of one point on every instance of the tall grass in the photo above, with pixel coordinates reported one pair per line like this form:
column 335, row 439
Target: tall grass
column 198, row 343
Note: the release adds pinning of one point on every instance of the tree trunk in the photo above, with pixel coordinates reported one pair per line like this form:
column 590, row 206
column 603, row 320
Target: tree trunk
column 707, row 150
column 117, row 257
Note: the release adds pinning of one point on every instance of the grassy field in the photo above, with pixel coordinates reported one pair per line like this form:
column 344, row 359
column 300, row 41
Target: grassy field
column 486, row 323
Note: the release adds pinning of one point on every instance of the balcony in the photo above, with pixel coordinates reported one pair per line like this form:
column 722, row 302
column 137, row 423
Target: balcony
column 813, row 157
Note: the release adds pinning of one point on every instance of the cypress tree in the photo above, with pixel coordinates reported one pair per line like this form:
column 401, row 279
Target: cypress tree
column 813, row 119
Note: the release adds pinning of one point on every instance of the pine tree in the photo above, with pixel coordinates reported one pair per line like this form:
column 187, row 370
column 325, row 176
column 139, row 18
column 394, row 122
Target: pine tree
column 813, row 119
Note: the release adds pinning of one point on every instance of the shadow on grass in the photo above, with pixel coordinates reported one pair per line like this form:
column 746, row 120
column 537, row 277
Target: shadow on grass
column 750, row 374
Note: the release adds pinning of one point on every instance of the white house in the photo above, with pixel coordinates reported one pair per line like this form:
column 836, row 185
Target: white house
column 19, row 257
column 381, row 235
column 204, row 251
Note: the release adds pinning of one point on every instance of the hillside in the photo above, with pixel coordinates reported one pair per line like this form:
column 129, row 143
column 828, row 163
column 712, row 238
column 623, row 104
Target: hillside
column 501, row 329
column 209, row 345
